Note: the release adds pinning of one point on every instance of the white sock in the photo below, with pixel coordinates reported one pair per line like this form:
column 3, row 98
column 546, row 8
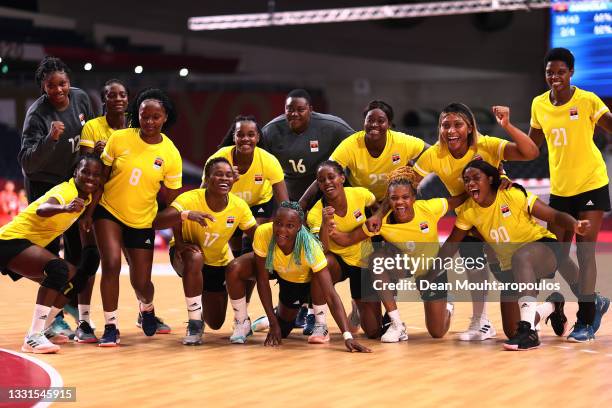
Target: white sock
column 544, row 310
column 51, row 316
column 146, row 307
column 310, row 311
column 240, row 309
column 479, row 308
column 527, row 306
column 84, row 312
column 39, row 318
column 320, row 313
column 395, row 316
column 111, row 318
column 194, row 307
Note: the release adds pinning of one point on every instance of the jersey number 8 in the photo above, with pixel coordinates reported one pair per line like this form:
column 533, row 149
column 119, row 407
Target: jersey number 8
column 135, row 176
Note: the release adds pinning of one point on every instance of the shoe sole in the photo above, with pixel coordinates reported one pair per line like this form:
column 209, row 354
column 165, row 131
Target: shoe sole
column 515, row 347
column 319, row 340
column 238, row 340
column 491, row 336
column 192, row 343
column 157, row 331
column 86, row 341
column 574, row 340
column 403, row 338
column 36, row 351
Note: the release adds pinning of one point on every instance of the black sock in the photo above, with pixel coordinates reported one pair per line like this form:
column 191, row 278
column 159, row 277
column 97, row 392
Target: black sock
column 586, row 309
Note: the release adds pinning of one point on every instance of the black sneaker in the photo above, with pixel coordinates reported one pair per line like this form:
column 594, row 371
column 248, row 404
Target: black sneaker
column 309, row 326
column 149, row 322
column 558, row 321
column 524, row 339
column 110, row 338
column 300, row 319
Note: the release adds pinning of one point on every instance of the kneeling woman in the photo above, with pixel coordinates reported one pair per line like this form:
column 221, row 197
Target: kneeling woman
column 411, row 226
column 527, row 251
column 286, row 251
column 200, row 253
column 23, row 253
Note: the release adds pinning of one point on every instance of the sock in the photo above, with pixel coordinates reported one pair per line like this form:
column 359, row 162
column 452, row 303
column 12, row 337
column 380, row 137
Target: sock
column 544, row 310
column 240, row 309
column 84, row 312
column 146, row 307
column 320, row 313
column 586, row 309
column 111, row 318
column 39, row 318
column 395, row 317
column 310, row 311
column 53, row 312
column 527, row 306
column 194, row 307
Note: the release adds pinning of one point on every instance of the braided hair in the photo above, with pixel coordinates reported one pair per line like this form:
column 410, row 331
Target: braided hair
column 405, row 176
column 304, row 240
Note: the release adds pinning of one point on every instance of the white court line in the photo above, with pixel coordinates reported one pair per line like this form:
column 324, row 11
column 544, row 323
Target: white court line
column 56, row 378
column 590, row 351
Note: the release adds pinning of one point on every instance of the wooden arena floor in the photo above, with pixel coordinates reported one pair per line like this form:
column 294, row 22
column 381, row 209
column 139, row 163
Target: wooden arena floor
column 422, row 372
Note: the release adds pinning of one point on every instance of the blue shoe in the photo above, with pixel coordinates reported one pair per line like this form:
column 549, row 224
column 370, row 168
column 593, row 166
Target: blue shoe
column 149, row 323
column 72, row 311
column 110, row 338
column 581, row 333
column 309, row 326
column 300, row 319
column 162, row 328
column 60, row 326
column 601, row 307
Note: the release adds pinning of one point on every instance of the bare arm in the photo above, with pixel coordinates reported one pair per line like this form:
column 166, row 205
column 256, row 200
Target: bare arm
column 251, row 232
column 606, row 122
column 537, row 135
column 523, row 148
column 309, row 195
column 456, row 201
column 265, row 295
column 560, row 218
column 53, row 207
column 280, row 191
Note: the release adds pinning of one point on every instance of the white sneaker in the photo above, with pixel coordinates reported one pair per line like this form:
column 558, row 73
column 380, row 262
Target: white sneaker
column 479, row 330
column 320, row 334
column 261, row 324
column 37, row 343
column 242, row 330
column 395, row 333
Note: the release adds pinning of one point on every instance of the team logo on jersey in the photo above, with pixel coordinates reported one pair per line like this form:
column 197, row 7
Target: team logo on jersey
column 314, row 146
column 477, row 157
column 395, row 158
column 505, row 210
column 158, row 163
column 574, row 113
column 424, row 227
column 259, row 179
column 82, row 119
column 358, row 215
column 229, row 222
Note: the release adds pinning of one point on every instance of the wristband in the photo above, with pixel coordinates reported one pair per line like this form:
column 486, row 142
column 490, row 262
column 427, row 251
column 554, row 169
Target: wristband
column 185, row 215
column 347, row 335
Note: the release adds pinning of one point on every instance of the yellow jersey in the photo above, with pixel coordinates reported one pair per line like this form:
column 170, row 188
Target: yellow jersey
column 213, row 239
column 95, row 130
column 284, row 265
column 371, row 172
column 138, row 168
column 437, row 159
column 506, row 224
column 357, row 199
column 575, row 163
column 42, row 230
column 254, row 186
column 418, row 237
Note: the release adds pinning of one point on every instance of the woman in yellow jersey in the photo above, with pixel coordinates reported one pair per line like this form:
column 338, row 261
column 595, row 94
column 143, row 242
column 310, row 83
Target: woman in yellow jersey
column 138, row 159
column 371, row 154
column 459, row 142
column 285, row 250
column 200, row 251
column 23, row 253
column 343, row 209
column 566, row 117
column 260, row 175
column 411, row 226
column 527, row 251
column 96, row 132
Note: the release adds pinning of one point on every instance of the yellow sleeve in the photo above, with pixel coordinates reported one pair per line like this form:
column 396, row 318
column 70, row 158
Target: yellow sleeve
column 368, row 196
column 173, row 179
column 342, row 154
column 438, row 206
column 599, row 108
column 108, row 155
column 61, row 194
column 320, row 261
column 260, row 241
column 87, row 135
column 315, row 217
column 423, row 165
column 414, row 146
column 462, row 222
column 274, row 170
column 181, row 203
column 246, row 220
column 530, row 201
column 497, row 146
column 534, row 122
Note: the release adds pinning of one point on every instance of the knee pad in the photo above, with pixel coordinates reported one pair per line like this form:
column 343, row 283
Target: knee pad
column 90, row 261
column 56, row 274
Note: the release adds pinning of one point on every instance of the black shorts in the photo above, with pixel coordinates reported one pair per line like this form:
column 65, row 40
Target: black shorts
column 357, row 280
column 263, row 210
column 471, row 247
column 10, row 248
column 213, row 276
column 133, row 238
column 593, row 200
column 292, row 295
